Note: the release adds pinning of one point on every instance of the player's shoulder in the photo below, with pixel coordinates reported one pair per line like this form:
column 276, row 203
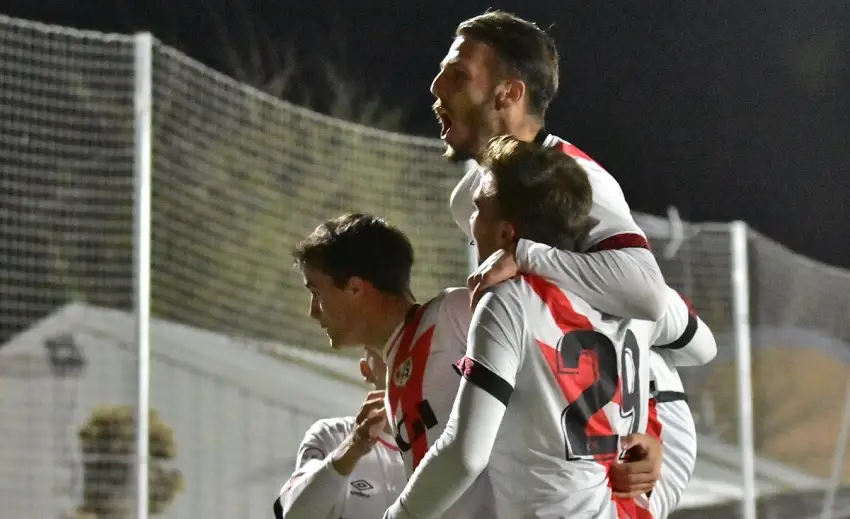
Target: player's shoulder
column 598, row 175
column 451, row 303
column 452, row 296
column 538, row 295
column 513, row 294
column 332, row 428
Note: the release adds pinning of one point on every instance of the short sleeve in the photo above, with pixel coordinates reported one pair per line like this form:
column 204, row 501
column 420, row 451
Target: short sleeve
column 494, row 347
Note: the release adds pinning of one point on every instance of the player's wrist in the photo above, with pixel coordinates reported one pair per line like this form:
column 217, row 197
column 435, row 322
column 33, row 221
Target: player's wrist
column 345, row 457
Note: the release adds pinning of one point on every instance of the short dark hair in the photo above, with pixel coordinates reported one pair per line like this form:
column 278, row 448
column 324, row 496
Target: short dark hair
column 542, row 192
column 525, row 52
column 359, row 245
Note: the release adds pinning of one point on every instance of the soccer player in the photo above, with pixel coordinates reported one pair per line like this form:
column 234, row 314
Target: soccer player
column 346, row 467
column 578, row 378
column 498, row 78
column 357, row 268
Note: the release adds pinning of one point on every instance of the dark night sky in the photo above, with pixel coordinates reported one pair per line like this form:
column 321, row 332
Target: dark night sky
column 728, row 110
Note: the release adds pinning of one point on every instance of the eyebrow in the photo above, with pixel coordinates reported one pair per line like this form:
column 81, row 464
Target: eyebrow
column 454, row 61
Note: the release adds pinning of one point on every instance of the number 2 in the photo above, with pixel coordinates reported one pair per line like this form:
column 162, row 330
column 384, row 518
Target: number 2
column 586, row 435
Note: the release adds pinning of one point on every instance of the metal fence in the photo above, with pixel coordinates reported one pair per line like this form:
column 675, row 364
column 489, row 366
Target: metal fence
column 135, row 178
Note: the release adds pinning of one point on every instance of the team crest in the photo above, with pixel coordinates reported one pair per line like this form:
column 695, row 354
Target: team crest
column 402, row 373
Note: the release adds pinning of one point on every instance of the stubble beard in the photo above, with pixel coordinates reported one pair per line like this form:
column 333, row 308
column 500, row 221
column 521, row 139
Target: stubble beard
column 487, row 126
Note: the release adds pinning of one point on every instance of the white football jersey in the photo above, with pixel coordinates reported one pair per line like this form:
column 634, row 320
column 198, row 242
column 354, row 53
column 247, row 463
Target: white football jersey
column 574, row 381
column 422, row 385
column 614, row 227
column 317, row 491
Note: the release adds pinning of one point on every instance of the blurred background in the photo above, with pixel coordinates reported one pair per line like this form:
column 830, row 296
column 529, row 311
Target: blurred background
column 269, row 117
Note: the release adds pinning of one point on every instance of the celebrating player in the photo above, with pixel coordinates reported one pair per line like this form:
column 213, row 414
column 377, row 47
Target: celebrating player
column 357, row 268
column 579, row 376
column 498, row 78
column 346, row 467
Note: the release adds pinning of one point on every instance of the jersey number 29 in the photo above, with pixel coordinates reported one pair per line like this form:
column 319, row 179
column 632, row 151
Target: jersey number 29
column 588, row 435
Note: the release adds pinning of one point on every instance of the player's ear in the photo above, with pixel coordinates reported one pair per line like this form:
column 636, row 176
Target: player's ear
column 511, row 92
column 507, row 235
column 354, row 285
column 366, row 371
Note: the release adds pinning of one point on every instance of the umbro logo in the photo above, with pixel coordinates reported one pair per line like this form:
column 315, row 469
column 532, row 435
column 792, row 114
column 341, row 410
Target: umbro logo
column 361, row 486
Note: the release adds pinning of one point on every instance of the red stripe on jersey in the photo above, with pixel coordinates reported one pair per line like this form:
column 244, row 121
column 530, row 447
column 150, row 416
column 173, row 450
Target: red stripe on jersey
column 572, row 384
column 621, row 241
column 627, row 508
column 388, row 445
column 572, row 151
column 408, row 395
column 653, row 424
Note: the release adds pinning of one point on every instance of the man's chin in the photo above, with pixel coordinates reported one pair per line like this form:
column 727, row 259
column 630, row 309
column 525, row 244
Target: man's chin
column 455, row 155
column 341, row 345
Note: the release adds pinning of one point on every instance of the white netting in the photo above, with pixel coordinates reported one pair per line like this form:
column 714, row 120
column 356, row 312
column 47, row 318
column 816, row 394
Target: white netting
column 800, row 353
column 238, row 178
column 66, row 149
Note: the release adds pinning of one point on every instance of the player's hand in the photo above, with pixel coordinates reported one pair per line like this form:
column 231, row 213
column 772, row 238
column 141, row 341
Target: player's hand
column 641, row 469
column 370, row 421
column 500, row 266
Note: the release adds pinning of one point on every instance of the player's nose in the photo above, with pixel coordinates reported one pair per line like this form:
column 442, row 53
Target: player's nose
column 435, row 84
column 315, row 308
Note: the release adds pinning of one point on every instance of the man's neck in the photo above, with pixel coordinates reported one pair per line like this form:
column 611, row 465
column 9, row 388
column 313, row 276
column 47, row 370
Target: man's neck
column 526, row 131
column 389, row 313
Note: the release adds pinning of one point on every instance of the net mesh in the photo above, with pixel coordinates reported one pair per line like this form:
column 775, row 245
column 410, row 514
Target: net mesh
column 800, row 354
column 238, row 178
column 66, row 149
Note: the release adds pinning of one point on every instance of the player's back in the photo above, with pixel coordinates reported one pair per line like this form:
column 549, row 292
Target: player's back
column 613, row 225
column 579, row 386
column 422, row 386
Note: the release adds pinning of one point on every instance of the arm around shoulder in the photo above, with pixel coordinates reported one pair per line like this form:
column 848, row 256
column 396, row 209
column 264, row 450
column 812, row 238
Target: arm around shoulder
column 623, row 282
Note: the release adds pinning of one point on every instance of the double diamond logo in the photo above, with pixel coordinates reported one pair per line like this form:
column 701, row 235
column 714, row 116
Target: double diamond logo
column 361, row 485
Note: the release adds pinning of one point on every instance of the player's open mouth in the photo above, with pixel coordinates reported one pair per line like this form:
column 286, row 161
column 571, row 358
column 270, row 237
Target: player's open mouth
column 444, row 120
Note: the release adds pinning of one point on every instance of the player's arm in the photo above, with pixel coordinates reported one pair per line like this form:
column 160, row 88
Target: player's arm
column 678, row 466
column 626, row 282
column 673, row 423
column 463, row 450
column 316, row 486
column 685, row 338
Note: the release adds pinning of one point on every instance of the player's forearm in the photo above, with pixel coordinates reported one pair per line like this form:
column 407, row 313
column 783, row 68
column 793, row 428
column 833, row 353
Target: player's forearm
column 444, row 477
column 314, row 493
column 668, row 490
column 456, row 459
column 699, row 349
column 623, row 282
